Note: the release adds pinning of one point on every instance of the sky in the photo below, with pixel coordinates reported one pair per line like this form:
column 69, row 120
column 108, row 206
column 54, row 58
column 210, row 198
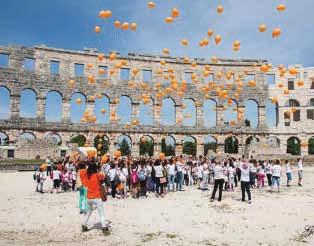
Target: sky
column 69, row 24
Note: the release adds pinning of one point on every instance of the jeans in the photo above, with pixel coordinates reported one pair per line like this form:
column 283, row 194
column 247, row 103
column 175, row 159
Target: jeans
column 220, row 183
column 159, row 187
column 245, row 186
column 98, row 204
column 179, row 180
column 171, row 182
column 276, row 181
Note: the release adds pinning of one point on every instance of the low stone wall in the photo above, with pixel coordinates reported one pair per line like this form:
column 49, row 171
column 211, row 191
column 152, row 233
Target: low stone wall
column 19, row 167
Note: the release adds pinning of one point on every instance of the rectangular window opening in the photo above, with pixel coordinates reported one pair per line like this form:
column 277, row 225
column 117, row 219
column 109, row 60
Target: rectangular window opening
column 310, row 114
column 291, row 84
column 54, row 67
column 147, row 75
column 4, row 60
column 29, row 64
column 271, row 79
column 125, row 74
column 11, row 153
column 188, row 77
column 79, row 70
column 103, row 72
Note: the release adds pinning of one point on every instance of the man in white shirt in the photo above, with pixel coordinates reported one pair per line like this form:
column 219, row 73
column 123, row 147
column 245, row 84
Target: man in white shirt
column 300, row 171
column 276, row 171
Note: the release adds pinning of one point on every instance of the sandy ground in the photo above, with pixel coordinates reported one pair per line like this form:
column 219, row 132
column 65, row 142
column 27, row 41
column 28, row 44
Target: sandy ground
column 182, row 218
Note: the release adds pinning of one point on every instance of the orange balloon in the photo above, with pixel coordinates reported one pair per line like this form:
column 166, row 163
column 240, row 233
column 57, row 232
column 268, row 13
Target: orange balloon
column 161, row 156
column 151, row 5
column 166, row 51
column 175, row 13
column 117, row 24
column 101, row 57
column 105, row 14
column 117, row 153
column 276, row 32
column 71, row 82
column 293, row 71
column 262, row 28
column 133, row 26
column 169, row 20
column 125, row 26
column 184, row 42
column 220, row 9
column 103, row 110
column 281, row 7
column 210, row 32
column 218, row 39
column 78, row 101
column 112, row 56
column 97, row 29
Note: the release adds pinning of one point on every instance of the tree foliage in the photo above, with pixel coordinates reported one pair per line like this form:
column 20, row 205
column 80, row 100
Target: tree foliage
column 311, row 146
column 124, row 147
column 101, row 143
column 210, row 146
column 167, row 149
column 80, row 140
column 189, row 148
column 147, row 148
column 293, row 146
column 231, row 146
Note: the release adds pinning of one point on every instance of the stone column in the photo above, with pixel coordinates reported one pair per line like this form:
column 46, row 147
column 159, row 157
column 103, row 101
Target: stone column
column 90, row 107
column 135, row 111
column 15, row 106
column 41, row 106
column 157, row 114
column 199, row 116
column 179, row 115
column 179, row 149
column 199, row 149
column 135, row 149
column 241, row 122
column 66, row 111
column 262, row 116
column 220, row 115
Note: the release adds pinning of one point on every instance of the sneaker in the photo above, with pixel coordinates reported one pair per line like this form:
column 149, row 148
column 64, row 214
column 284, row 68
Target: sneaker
column 250, row 202
column 105, row 231
column 84, row 228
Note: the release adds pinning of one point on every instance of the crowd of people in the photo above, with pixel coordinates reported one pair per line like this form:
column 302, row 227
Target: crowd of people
column 139, row 177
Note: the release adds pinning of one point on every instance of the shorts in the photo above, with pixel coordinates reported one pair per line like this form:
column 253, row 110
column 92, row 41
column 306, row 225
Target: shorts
column 289, row 176
column 56, row 183
column 275, row 180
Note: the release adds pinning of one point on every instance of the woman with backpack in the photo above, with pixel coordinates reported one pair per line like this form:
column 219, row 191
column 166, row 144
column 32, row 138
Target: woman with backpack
column 93, row 181
column 142, row 177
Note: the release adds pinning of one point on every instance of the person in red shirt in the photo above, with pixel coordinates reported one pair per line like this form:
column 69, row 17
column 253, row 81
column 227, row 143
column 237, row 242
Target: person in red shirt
column 92, row 180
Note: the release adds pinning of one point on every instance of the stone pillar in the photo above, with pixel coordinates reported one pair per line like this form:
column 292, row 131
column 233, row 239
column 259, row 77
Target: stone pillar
column 112, row 109
column 262, row 116
column 41, row 108
column 66, row 111
column 199, row 149
column 135, row 149
column 90, row 107
column 15, row 106
column 199, row 116
column 135, row 111
column 179, row 115
column 241, row 121
column 220, row 115
column 157, row 114
column 179, row 149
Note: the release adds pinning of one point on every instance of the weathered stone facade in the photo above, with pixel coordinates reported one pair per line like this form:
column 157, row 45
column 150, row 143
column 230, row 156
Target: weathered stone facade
column 16, row 79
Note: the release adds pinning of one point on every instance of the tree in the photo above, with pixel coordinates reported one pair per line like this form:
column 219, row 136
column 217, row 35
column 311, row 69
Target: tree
column 124, row 147
column 311, row 146
column 80, row 140
column 210, row 146
column 101, row 143
column 167, row 149
column 293, row 146
column 147, row 147
column 189, row 148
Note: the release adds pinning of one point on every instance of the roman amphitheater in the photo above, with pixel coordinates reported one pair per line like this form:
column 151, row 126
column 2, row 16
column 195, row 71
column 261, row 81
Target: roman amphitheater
column 296, row 128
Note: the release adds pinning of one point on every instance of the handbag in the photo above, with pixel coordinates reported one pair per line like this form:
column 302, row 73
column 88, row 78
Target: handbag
column 163, row 180
column 103, row 192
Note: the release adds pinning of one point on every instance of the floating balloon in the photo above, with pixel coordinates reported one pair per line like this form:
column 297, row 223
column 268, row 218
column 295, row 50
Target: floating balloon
column 281, row 7
column 125, row 26
column 117, row 24
column 262, row 28
column 133, row 26
column 166, row 51
column 101, row 57
column 169, row 20
column 161, row 156
column 112, row 56
column 117, row 153
column 97, row 29
column 78, row 101
column 293, row 71
column 220, row 9
column 210, row 32
column 105, row 14
column 276, row 32
column 151, row 5
column 218, row 39
column 184, row 42
column 103, row 111
column 71, row 82
column 175, row 13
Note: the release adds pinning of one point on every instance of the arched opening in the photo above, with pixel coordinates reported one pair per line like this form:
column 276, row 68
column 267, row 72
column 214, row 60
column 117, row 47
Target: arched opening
column 271, row 113
column 189, row 146
column 78, row 140
column 231, row 112
column 102, row 109
column 189, row 112
column 4, row 139
column 78, row 105
column 251, row 113
column 168, row 146
column 146, row 145
column 293, row 146
column 311, row 103
column 124, row 110
column 146, row 112
column 28, row 104
column 232, row 145
column 251, row 140
column 311, row 146
column 210, row 113
column 273, row 141
column 53, row 106
column 101, row 143
column 168, row 112
column 27, row 137
column 210, row 145
column 4, row 103
column 53, row 137
column 125, row 145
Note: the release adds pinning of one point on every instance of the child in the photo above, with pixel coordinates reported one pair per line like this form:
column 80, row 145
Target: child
column 288, row 172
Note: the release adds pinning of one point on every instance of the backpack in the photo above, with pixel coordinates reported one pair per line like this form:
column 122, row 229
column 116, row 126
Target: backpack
column 141, row 175
column 134, row 177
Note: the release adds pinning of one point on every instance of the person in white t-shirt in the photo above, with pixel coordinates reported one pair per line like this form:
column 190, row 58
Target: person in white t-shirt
column 219, row 181
column 300, row 171
column 171, row 170
column 245, row 181
column 288, row 173
column 276, row 172
column 179, row 175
